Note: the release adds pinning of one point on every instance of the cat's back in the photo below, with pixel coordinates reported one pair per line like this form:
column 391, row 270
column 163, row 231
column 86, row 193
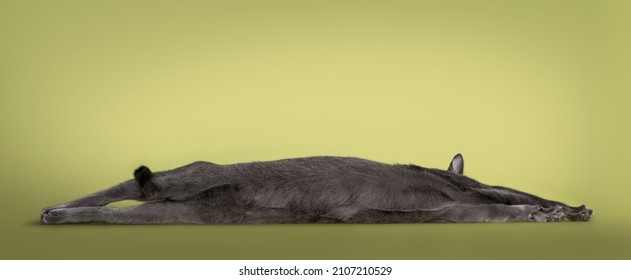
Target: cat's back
column 310, row 164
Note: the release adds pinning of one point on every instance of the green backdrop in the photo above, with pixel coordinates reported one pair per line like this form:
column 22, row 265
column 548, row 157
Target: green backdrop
column 534, row 94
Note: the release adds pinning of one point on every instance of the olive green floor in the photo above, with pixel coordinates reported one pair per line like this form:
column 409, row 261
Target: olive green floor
column 594, row 240
column 534, row 94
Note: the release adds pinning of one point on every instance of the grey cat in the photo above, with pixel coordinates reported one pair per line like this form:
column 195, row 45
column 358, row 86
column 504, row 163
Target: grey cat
column 310, row 190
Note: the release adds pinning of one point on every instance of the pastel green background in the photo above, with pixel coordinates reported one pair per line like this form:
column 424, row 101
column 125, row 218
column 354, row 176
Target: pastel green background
column 535, row 94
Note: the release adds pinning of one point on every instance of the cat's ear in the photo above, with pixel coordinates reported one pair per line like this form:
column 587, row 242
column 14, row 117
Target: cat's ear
column 457, row 164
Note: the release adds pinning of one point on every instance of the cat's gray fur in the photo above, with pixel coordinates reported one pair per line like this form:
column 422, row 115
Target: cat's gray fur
column 310, row 190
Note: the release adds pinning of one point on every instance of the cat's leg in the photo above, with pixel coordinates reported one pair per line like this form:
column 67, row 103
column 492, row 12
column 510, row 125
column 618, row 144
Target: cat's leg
column 173, row 212
column 176, row 184
column 503, row 213
column 510, row 196
column 163, row 212
column 128, row 190
column 503, row 195
column 463, row 213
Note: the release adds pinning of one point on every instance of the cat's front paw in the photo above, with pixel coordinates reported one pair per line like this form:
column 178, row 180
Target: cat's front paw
column 578, row 214
column 552, row 214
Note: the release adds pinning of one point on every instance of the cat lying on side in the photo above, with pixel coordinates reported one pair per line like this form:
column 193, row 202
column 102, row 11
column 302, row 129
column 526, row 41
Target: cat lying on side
column 320, row 189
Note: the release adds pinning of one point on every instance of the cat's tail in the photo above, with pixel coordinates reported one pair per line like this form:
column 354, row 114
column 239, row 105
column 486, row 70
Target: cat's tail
column 143, row 177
